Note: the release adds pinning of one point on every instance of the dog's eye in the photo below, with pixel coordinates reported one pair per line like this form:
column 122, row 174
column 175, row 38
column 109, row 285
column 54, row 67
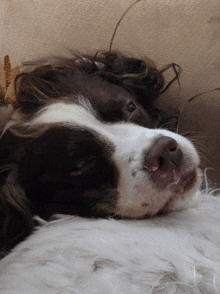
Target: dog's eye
column 131, row 107
column 83, row 166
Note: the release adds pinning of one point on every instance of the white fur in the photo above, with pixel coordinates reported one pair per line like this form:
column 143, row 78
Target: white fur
column 62, row 112
column 171, row 254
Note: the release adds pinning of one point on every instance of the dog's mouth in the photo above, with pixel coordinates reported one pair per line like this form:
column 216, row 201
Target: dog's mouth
column 185, row 182
column 182, row 188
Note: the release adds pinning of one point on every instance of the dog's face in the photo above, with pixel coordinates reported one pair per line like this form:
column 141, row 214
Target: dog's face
column 67, row 156
column 77, row 143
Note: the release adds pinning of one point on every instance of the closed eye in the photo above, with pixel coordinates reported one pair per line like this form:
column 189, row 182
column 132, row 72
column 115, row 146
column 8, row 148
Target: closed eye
column 83, row 165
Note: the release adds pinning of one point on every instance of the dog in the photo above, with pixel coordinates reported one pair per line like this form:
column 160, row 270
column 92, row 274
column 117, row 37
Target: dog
column 83, row 140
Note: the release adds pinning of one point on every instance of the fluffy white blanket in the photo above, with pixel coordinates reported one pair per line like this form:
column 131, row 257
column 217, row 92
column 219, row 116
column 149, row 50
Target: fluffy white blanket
column 174, row 253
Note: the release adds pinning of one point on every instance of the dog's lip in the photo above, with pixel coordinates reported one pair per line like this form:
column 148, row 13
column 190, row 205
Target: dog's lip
column 180, row 188
column 185, row 182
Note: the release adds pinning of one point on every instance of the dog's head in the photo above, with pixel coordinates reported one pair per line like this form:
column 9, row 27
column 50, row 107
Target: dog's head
column 63, row 149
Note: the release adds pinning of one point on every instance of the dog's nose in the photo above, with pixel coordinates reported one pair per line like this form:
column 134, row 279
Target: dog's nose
column 164, row 155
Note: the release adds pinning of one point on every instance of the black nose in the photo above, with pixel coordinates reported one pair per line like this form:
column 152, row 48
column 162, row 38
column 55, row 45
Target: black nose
column 165, row 154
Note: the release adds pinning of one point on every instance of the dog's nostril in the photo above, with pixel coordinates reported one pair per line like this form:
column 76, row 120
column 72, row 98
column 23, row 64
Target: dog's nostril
column 172, row 145
column 161, row 161
column 165, row 154
column 173, row 149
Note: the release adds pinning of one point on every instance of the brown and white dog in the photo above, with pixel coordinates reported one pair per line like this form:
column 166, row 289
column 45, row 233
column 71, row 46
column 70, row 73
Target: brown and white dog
column 82, row 140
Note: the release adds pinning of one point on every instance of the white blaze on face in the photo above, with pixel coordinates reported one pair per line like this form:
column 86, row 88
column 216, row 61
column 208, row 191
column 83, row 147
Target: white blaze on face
column 65, row 113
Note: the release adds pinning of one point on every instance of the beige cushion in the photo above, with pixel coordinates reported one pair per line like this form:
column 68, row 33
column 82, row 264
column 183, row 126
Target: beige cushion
column 185, row 32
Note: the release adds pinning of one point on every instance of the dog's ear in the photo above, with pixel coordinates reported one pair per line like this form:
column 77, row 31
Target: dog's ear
column 35, row 87
column 135, row 75
column 51, row 79
column 16, row 221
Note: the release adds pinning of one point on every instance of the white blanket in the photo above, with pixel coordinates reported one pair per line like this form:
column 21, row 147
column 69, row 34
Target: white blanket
column 174, row 253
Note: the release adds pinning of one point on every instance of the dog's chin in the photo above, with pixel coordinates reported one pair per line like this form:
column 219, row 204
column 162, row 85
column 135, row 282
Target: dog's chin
column 183, row 190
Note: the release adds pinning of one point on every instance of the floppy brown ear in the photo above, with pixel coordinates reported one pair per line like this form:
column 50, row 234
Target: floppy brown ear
column 16, row 220
column 135, row 75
